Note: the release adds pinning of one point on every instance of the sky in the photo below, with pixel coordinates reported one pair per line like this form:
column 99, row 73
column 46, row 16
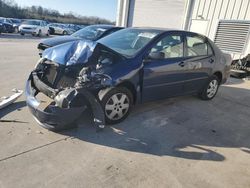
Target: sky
column 101, row 8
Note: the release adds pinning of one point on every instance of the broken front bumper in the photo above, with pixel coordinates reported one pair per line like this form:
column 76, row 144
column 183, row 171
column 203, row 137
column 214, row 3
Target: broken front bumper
column 54, row 117
column 51, row 117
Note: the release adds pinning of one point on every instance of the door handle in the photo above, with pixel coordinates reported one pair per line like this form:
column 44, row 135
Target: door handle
column 181, row 64
column 211, row 60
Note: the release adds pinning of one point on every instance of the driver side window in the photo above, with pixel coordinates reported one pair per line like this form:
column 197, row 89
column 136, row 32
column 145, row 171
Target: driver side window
column 171, row 46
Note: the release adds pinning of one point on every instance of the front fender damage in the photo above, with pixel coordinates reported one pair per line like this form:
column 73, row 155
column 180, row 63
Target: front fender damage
column 67, row 106
column 67, row 98
column 72, row 81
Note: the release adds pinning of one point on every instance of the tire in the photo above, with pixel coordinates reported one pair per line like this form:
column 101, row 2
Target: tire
column 210, row 89
column 117, row 111
column 65, row 32
column 22, row 34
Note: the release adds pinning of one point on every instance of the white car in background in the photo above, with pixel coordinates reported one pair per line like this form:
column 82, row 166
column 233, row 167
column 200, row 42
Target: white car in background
column 34, row 27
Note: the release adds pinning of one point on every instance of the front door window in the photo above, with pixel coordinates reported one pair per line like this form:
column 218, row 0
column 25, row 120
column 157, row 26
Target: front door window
column 171, row 46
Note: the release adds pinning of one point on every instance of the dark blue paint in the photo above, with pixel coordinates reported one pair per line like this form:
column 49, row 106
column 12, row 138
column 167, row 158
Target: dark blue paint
column 152, row 79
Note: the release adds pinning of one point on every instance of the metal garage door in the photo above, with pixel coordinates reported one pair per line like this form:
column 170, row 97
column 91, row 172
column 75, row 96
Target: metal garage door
column 232, row 35
column 157, row 13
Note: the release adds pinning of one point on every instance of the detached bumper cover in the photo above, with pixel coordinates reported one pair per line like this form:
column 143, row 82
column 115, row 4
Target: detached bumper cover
column 52, row 117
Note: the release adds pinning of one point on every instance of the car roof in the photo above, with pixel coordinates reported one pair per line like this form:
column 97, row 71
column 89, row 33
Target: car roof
column 34, row 20
column 105, row 26
column 163, row 30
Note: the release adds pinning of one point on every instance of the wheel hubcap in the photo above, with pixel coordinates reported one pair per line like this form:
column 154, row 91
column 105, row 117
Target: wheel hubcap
column 117, row 106
column 212, row 88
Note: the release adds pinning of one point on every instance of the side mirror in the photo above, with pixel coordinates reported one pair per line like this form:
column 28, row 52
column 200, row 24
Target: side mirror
column 156, row 55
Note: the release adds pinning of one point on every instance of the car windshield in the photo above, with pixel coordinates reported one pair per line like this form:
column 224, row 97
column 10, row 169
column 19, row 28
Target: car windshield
column 31, row 22
column 129, row 42
column 90, row 32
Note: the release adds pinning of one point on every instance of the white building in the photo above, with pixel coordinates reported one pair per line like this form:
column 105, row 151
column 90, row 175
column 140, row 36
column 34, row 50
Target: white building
column 226, row 22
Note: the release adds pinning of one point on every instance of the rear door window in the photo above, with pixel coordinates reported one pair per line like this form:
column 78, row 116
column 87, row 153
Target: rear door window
column 197, row 46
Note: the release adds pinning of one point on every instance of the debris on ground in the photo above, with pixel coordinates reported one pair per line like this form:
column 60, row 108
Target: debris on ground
column 7, row 100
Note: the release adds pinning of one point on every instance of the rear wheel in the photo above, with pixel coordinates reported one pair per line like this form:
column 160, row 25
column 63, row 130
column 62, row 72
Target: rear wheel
column 117, row 104
column 65, row 33
column 210, row 89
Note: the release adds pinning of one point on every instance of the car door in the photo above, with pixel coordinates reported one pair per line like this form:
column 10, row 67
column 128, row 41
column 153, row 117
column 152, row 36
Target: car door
column 44, row 28
column 57, row 29
column 163, row 72
column 199, row 61
column 8, row 25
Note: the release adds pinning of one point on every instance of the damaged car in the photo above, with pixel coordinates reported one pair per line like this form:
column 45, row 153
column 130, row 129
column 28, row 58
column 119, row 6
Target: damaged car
column 90, row 33
column 240, row 68
column 128, row 67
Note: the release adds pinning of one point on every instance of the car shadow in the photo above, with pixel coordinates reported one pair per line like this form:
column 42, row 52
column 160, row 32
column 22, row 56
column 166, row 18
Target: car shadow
column 16, row 106
column 234, row 81
column 183, row 127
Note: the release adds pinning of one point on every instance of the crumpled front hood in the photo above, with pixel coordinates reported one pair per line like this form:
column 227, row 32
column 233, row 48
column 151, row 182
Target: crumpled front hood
column 59, row 40
column 70, row 53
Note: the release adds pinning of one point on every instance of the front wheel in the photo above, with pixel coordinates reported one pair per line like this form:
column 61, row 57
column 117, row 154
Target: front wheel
column 117, row 104
column 210, row 89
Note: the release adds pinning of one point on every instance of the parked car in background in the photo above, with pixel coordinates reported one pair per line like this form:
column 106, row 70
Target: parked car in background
column 34, row 27
column 7, row 25
column 130, row 66
column 73, row 27
column 92, row 33
column 59, row 29
column 240, row 68
column 16, row 23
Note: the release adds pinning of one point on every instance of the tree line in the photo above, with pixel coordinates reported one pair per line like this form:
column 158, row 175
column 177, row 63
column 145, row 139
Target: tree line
column 10, row 9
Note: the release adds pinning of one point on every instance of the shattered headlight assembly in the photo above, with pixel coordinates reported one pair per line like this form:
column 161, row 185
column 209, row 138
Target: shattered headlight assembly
column 93, row 79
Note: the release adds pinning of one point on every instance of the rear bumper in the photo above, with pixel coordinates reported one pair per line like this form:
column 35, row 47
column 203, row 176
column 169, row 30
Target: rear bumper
column 51, row 117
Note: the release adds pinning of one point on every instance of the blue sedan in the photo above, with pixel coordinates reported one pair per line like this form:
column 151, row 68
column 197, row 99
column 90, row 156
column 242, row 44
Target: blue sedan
column 130, row 66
